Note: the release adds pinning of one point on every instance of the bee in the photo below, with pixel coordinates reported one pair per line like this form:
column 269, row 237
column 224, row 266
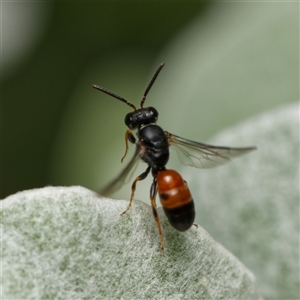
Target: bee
column 152, row 146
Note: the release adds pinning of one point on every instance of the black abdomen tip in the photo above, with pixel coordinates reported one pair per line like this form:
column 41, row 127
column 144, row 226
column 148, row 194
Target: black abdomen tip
column 181, row 218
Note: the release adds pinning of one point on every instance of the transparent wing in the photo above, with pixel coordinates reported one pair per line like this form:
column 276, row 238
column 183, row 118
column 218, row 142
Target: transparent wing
column 124, row 176
column 203, row 156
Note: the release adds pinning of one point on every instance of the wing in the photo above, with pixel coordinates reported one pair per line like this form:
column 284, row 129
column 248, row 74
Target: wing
column 203, row 156
column 124, row 176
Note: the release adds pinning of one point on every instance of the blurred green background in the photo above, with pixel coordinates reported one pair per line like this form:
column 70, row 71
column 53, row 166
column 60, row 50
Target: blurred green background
column 51, row 46
column 224, row 62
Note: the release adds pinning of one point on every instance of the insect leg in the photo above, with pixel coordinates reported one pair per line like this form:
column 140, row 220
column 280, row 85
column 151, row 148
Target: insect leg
column 128, row 136
column 141, row 177
column 153, row 192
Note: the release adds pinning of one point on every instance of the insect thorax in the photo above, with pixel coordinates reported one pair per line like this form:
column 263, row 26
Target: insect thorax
column 155, row 142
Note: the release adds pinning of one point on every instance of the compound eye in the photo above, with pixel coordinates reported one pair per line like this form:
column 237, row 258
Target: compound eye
column 154, row 113
column 129, row 121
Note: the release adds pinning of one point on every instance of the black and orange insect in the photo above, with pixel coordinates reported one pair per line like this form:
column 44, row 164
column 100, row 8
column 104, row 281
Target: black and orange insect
column 152, row 146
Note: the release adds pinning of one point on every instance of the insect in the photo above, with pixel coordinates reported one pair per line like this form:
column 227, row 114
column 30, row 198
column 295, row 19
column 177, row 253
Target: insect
column 152, row 146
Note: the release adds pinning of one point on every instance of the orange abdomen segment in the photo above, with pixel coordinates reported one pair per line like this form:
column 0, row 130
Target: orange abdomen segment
column 176, row 199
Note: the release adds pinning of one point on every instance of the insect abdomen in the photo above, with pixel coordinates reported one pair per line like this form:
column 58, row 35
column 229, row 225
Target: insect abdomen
column 176, row 199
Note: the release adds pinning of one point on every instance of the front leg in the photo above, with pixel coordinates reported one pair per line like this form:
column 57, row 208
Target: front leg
column 128, row 136
column 141, row 177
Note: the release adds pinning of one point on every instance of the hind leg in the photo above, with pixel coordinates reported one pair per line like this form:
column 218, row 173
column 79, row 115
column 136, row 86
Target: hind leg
column 153, row 192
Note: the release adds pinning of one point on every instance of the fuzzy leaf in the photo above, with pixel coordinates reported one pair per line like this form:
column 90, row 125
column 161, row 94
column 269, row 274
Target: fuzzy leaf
column 69, row 243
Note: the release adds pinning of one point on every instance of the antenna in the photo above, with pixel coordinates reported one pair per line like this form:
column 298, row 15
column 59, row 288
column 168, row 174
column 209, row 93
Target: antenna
column 99, row 88
column 151, row 83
